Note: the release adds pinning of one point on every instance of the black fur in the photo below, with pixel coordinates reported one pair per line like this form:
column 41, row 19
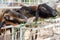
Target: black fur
column 46, row 11
column 29, row 9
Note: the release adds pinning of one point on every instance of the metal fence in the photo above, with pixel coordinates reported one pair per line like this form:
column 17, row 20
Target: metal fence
column 11, row 33
column 16, row 3
column 20, row 32
column 6, row 3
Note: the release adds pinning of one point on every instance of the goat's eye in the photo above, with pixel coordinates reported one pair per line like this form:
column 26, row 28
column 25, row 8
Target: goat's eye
column 7, row 17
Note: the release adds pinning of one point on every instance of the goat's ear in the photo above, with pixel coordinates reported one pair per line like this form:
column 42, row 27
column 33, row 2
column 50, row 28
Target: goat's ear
column 43, row 9
column 7, row 17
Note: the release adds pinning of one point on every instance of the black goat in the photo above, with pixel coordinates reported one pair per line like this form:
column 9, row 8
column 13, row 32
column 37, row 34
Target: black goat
column 45, row 11
column 42, row 10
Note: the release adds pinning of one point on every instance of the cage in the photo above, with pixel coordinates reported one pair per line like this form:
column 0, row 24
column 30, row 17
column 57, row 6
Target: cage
column 46, row 31
column 17, row 3
column 49, row 29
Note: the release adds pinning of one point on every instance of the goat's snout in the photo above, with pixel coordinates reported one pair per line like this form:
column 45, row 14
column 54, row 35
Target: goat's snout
column 54, row 14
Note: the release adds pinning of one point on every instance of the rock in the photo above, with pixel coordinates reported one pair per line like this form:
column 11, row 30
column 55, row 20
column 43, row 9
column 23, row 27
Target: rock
column 48, row 38
column 39, row 39
column 56, row 37
column 45, row 32
column 56, row 30
column 27, row 35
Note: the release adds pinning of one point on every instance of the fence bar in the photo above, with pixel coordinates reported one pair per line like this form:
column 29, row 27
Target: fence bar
column 12, row 33
column 5, row 35
column 21, row 34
